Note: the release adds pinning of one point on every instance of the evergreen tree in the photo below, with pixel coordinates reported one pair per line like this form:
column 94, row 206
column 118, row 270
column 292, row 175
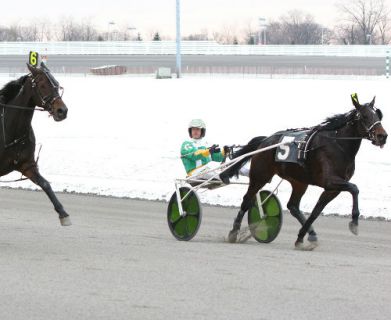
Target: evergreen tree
column 156, row 37
column 251, row 40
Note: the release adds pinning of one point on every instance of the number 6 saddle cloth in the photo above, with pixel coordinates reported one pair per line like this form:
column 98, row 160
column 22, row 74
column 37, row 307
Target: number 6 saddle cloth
column 299, row 142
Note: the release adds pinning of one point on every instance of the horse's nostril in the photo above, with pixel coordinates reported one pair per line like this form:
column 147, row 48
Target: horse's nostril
column 382, row 137
column 62, row 112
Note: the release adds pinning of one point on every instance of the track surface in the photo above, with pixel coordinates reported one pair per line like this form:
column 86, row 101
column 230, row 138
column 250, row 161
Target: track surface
column 119, row 261
column 204, row 63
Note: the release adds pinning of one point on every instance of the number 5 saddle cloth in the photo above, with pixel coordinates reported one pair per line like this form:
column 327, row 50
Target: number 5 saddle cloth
column 297, row 149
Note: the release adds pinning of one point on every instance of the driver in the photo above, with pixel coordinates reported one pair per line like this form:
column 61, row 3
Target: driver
column 197, row 156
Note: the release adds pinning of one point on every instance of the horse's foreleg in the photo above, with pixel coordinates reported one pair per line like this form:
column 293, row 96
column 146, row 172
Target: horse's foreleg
column 353, row 225
column 298, row 190
column 324, row 199
column 33, row 174
column 342, row 185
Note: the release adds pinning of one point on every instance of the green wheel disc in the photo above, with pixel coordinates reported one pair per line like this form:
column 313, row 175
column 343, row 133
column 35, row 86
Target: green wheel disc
column 265, row 228
column 186, row 227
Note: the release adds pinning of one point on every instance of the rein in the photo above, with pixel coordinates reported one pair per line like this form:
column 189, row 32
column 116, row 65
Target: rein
column 344, row 138
column 11, row 106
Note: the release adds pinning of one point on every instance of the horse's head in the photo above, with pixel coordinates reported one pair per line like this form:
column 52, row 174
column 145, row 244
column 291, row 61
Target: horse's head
column 370, row 119
column 47, row 92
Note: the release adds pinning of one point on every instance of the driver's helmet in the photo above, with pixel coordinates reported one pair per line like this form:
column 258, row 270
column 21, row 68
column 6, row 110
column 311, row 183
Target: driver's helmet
column 197, row 123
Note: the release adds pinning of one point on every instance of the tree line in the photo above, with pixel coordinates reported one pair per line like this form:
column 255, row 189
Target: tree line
column 362, row 22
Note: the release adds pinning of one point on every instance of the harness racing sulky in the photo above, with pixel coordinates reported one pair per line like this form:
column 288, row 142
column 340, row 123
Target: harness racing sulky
column 323, row 155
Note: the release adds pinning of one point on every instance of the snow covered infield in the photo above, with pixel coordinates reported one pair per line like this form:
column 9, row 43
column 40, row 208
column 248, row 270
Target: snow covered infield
column 123, row 134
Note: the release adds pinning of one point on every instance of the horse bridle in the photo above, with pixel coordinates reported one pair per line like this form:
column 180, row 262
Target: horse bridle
column 47, row 101
column 47, row 104
column 369, row 130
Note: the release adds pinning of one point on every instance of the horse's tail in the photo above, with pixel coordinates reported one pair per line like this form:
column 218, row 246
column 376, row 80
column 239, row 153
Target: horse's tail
column 249, row 147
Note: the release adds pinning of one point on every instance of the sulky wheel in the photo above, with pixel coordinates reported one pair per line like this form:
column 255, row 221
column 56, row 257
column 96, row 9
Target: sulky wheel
column 186, row 227
column 265, row 228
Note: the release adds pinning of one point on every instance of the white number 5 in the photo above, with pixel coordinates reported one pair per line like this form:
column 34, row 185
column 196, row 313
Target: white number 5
column 283, row 151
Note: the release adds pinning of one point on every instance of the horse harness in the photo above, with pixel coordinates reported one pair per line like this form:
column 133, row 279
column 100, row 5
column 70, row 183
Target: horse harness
column 46, row 105
column 49, row 99
column 301, row 138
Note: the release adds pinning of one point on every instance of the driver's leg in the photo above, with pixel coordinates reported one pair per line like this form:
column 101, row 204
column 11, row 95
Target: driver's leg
column 245, row 170
column 205, row 168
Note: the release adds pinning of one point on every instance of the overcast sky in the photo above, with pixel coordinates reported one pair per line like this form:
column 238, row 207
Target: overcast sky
column 150, row 15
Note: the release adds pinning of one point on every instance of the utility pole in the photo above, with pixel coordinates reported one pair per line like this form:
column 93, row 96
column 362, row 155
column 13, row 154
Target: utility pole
column 178, row 39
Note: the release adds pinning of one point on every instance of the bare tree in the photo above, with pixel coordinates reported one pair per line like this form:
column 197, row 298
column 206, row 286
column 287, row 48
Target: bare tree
column 297, row 27
column 250, row 34
column 196, row 37
column 69, row 30
column 11, row 33
column 275, row 33
column 384, row 28
column 362, row 19
column 203, row 35
column 347, row 34
column 226, row 35
column 301, row 28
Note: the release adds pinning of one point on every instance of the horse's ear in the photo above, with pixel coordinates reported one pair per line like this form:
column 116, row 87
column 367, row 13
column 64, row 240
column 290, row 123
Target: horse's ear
column 32, row 69
column 355, row 100
column 43, row 66
column 373, row 102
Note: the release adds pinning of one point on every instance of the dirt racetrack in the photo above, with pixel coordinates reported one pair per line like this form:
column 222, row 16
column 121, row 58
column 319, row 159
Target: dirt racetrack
column 119, row 261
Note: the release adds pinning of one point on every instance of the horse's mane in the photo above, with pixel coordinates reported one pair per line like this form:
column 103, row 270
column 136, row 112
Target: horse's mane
column 337, row 121
column 11, row 89
column 331, row 123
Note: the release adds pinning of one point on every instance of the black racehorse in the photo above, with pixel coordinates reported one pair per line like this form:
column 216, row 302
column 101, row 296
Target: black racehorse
column 18, row 100
column 329, row 164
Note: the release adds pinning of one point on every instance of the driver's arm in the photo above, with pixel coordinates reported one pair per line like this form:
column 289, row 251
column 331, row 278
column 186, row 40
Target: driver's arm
column 189, row 151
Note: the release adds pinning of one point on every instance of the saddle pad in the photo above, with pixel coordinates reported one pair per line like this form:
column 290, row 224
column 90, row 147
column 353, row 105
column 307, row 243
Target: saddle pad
column 294, row 151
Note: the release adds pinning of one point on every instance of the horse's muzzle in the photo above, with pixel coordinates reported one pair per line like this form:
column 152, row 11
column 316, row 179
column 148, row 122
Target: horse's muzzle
column 60, row 114
column 381, row 138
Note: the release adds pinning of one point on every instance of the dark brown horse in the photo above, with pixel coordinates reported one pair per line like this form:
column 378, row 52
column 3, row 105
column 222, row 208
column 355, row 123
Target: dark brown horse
column 329, row 164
column 18, row 100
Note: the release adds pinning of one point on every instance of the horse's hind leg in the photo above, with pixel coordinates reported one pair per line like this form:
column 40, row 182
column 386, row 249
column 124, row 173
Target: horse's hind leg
column 248, row 199
column 298, row 190
column 33, row 174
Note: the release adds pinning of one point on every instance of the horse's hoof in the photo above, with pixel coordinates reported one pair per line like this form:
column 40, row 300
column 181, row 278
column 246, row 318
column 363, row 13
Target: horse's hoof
column 353, row 227
column 243, row 235
column 309, row 247
column 232, row 236
column 66, row 221
column 312, row 238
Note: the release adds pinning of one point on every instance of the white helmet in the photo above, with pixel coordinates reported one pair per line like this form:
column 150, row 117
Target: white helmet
column 197, row 123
